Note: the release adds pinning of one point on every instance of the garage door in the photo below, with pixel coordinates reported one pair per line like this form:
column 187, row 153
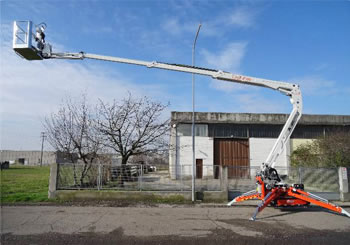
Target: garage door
column 233, row 153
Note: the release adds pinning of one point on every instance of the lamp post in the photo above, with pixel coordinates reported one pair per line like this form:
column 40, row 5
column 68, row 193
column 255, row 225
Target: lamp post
column 193, row 122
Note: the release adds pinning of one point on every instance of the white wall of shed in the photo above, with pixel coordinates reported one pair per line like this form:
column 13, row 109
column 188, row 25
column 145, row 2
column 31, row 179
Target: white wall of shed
column 260, row 149
column 204, row 150
column 173, row 151
column 295, row 143
column 180, row 160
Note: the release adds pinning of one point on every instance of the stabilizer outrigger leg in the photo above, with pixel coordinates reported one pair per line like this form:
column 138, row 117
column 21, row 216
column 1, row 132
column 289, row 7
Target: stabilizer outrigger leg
column 286, row 196
column 273, row 195
column 314, row 199
column 253, row 194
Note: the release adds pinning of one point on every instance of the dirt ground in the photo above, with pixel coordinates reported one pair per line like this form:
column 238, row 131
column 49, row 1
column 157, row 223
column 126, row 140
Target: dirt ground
column 170, row 224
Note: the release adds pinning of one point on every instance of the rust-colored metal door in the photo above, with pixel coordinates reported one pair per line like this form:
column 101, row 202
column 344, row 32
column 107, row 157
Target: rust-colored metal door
column 199, row 168
column 233, row 153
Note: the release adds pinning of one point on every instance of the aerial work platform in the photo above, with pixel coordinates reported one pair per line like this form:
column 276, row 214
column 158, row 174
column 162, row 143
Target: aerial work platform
column 23, row 37
column 271, row 189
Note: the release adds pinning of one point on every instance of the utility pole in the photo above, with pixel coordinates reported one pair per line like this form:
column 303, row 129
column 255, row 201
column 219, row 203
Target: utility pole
column 193, row 122
column 43, row 136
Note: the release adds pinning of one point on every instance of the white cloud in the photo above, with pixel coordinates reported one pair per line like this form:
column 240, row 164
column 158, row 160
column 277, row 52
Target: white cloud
column 249, row 101
column 229, row 87
column 315, row 85
column 26, row 84
column 239, row 17
column 173, row 26
column 255, row 103
column 228, row 59
column 242, row 17
column 31, row 90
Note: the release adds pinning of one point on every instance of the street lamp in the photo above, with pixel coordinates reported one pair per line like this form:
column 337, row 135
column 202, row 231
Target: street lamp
column 193, row 122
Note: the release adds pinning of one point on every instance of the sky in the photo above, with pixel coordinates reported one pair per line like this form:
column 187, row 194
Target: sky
column 304, row 42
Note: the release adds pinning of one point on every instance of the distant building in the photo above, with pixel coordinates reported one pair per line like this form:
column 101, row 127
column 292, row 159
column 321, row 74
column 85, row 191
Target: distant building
column 243, row 140
column 30, row 158
column 62, row 157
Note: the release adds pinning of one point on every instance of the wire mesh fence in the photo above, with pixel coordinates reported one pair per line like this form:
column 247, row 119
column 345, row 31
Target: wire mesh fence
column 242, row 179
column 179, row 178
column 134, row 177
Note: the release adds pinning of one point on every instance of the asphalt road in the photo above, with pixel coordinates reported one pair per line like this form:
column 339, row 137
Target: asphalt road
column 169, row 224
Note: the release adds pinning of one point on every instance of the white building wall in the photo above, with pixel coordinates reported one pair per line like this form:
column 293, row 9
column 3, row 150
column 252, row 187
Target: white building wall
column 295, row 143
column 260, row 149
column 204, row 150
column 173, row 151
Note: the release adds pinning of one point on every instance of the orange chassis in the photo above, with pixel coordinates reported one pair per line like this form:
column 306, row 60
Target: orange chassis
column 285, row 196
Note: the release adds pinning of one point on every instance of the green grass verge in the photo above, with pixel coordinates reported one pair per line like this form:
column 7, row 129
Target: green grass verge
column 24, row 184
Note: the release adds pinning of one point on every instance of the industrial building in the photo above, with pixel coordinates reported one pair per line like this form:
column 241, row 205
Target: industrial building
column 243, row 140
column 30, row 158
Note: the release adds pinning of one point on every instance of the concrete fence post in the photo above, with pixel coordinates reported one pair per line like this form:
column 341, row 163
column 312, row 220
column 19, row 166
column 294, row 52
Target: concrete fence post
column 181, row 179
column 343, row 184
column 300, row 172
column 53, row 181
column 140, row 177
column 224, row 178
column 99, row 177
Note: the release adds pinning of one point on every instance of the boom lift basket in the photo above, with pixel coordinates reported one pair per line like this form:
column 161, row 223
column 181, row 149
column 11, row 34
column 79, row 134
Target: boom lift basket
column 23, row 40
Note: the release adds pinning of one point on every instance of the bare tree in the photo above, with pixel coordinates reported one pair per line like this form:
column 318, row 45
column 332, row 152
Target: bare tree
column 72, row 131
column 133, row 127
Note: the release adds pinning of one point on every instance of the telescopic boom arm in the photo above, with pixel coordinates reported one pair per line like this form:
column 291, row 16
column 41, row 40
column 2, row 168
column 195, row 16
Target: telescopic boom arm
column 22, row 44
column 291, row 90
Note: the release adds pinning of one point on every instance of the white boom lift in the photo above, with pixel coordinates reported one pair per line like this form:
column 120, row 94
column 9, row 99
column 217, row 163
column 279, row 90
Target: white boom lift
column 270, row 188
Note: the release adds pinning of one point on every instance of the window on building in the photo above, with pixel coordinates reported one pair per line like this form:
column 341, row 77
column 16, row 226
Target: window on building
column 202, row 130
column 186, row 130
column 225, row 130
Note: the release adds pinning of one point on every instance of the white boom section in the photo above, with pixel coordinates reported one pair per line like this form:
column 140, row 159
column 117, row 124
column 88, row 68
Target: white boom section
column 291, row 90
column 23, row 45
